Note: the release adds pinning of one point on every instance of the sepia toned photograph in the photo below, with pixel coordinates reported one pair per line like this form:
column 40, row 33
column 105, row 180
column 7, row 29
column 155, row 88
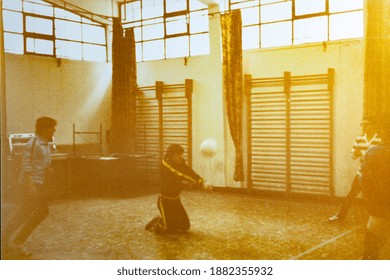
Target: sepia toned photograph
column 195, row 130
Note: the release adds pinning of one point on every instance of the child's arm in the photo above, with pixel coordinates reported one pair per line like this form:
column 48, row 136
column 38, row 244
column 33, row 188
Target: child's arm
column 356, row 153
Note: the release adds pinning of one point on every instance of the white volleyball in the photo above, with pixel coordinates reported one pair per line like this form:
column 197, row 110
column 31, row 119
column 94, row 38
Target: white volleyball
column 209, row 147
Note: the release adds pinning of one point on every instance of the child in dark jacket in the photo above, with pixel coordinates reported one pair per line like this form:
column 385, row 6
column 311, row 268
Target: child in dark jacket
column 174, row 173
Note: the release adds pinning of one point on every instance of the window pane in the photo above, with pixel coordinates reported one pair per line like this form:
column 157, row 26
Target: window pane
column 138, row 51
column 68, row 30
column 275, row 12
column 152, row 8
column 153, row 50
column 13, row 43
column 137, row 34
column 197, row 5
column 199, row 44
column 250, row 16
column 15, row 5
column 175, row 5
column 346, row 25
column 94, row 52
column 39, row 9
column 12, row 21
column 199, row 22
column 310, row 30
column 176, row 25
column 39, row 25
column 283, row 31
column 39, row 46
column 93, row 34
column 250, row 37
column 72, row 50
column 131, row 11
column 244, row 4
column 345, row 5
column 304, row 7
column 154, row 31
column 177, row 47
column 61, row 13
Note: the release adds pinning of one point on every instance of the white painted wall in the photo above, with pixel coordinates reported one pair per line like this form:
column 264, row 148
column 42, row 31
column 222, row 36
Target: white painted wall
column 73, row 92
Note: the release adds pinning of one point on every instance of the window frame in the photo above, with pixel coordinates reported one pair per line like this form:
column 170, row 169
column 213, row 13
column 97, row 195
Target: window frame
column 52, row 38
column 27, row 35
column 170, row 15
column 293, row 19
column 310, row 15
column 164, row 19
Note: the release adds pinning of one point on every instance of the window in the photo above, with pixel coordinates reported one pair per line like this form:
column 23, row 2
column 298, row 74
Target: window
column 284, row 31
column 313, row 29
column 276, row 12
column 272, row 23
column 345, row 25
column 180, row 27
column 37, row 27
column 38, row 34
column 167, row 28
column 250, row 37
column 309, row 7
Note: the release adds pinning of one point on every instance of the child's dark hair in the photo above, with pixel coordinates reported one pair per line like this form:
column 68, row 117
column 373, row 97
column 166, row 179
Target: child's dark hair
column 173, row 149
column 44, row 122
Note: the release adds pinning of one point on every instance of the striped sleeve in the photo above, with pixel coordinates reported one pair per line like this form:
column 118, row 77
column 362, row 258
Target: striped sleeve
column 356, row 148
column 187, row 177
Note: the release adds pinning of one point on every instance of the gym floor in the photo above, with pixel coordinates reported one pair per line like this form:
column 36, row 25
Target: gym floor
column 224, row 226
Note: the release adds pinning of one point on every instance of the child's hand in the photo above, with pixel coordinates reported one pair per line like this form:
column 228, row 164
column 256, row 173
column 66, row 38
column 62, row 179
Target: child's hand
column 206, row 186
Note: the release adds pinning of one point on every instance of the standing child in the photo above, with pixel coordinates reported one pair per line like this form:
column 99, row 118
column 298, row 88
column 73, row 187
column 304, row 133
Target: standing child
column 35, row 170
column 363, row 143
column 375, row 184
column 174, row 172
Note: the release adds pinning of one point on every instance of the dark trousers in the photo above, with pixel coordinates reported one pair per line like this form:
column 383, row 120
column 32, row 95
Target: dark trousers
column 351, row 196
column 377, row 236
column 32, row 211
column 173, row 216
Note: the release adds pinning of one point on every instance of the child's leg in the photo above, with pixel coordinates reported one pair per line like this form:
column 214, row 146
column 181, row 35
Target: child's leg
column 182, row 220
column 173, row 216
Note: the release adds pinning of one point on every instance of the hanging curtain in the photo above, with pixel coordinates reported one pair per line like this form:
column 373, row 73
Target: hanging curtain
column 377, row 58
column 124, row 85
column 233, row 82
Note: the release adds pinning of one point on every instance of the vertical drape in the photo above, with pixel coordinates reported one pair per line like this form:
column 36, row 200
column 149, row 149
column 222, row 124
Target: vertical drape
column 233, row 82
column 124, row 85
column 377, row 58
